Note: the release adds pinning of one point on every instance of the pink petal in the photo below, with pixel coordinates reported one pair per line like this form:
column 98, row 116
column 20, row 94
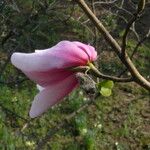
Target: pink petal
column 52, row 95
column 90, row 50
column 40, row 61
column 48, row 77
column 64, row 54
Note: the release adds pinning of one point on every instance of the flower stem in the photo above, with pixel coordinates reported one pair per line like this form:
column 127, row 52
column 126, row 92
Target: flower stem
column 97, row 73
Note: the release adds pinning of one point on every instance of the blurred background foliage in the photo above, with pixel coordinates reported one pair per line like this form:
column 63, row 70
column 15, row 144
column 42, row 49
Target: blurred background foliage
column 119, row 122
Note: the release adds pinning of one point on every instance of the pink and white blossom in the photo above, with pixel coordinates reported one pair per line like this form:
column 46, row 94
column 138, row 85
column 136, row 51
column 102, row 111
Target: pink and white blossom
column 49, row 69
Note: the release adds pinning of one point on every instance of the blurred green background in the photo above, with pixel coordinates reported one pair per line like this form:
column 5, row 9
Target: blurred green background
column 118, row 122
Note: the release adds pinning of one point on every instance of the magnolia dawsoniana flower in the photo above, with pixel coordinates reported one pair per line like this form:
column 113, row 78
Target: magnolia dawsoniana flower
column 49, row 68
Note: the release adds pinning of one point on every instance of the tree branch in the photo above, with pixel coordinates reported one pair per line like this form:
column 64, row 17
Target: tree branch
column 141, row 5
column 124, row 39
column 97, row 73
column 94, row 71
column 140, row 42
column 137, row 77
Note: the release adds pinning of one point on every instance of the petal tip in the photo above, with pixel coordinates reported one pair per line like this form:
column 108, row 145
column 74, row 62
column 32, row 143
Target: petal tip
column 33, row 111
column 13, row 58
column 32, row 114
column 16, row 59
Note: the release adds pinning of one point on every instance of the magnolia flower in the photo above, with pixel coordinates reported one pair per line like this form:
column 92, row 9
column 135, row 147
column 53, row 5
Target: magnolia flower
column 49, row 68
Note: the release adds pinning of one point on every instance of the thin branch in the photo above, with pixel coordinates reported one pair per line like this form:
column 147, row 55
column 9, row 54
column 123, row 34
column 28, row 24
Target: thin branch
column 134, row 31
column 122, row 3
column 141, row 6
column 124, row 38
column 124, row 10
column 94, row 71
column 140, row 43
column 97, row 73
column 113, row 5
column 14, row 81
column 84, row 25
column 107, row 3
column 120, row 8
column 132, row 4
column 136, row 49
column 7, row 110
column 95, row 29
